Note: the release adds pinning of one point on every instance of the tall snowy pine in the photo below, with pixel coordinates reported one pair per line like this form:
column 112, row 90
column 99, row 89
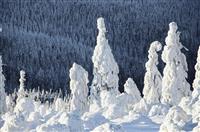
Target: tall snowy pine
column 174, row 83
column 105, row 67
column 2, row 90
column 153, row 79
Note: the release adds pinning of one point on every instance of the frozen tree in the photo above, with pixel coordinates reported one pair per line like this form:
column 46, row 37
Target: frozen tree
column 10, row 103
column 132, row 91
column 196, row 83
column 21, row 91
column 105, row 67
column 79, row 89
column 2, row 90
column 153, row 79
column 174, row 83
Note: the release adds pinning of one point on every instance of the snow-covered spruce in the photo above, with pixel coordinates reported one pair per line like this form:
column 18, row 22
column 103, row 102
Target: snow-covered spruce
column 2, row 90
column 132, row 93
column 21, row 91
column 174, row 83
column 174, row 120
column 153, row 79
column 196, row 83
column 105, row 67
column 79, row 89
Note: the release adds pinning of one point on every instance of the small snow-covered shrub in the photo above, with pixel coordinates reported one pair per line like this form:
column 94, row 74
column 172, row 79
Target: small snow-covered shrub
column 185, row 104
column 132, row 93
column 175, row 120
column 141, row 107
column 158, row 109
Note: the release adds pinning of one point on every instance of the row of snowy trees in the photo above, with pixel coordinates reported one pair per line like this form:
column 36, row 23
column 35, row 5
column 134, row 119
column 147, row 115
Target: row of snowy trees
column 160, row 93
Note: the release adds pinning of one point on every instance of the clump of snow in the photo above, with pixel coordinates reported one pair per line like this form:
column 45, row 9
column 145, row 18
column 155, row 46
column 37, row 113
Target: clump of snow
column 60, row 105
column 116, row 110
column 141, row 107
column 105, row 67
column 79, row 89
column 174, row 83
column 2, row 90
column 185, row 104
column 174, row 120
column 25, row 106
column 158, row 110
column 13, row 123
column 153, row 79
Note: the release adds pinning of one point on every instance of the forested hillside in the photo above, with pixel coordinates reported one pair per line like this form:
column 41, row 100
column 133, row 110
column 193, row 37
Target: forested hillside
column 45, row 37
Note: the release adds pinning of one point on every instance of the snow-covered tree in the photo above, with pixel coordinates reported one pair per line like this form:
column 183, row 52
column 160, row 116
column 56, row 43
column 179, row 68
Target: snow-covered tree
column 21, row 91
column 2, row 90
column 105, row 67
column 79, row 89
column 196, row 83
column 153, row 79
column 133, row 93
column 174, row 83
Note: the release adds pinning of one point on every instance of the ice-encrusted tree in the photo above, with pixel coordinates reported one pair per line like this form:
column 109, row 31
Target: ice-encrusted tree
column 2, row 90
column 79, row 89
column 131, row 89
column 196, row 82
column 174, row 83
column 105, row 67
column 21, row 91
column 153, row 78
